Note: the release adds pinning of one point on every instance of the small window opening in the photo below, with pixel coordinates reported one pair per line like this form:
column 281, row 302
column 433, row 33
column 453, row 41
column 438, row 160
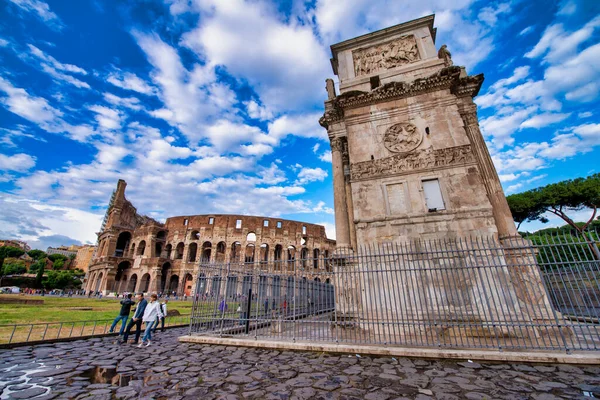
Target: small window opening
column 185, row 221
column 375, row 82
column 211, row 221
column 427, row 130
column 279, row 224
column 372, row 158
column 266, row 223
column 304, row 230
column 433, row 195
column 238, row 224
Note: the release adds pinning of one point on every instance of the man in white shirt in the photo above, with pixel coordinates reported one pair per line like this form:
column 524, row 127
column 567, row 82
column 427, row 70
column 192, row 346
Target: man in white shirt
column 151, row 313
column 163, row 309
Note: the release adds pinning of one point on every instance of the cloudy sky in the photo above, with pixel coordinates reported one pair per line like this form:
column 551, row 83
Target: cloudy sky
column 211, row 106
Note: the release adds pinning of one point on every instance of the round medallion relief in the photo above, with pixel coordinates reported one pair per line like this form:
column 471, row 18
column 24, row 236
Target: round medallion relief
column 402, row 137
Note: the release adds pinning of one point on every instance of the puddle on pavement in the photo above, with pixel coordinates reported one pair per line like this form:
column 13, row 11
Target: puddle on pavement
column 25, row 379
column 105, row 375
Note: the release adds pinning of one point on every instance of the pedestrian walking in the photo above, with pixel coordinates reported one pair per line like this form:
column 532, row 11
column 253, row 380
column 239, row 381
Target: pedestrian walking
column 163, row 310
column 223, row 306
column 151, row 313
column 123, row 315
column 266, row 305
column 137, row 319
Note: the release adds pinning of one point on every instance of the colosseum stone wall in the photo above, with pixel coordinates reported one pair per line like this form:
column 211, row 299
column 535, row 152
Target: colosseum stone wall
column 138, row 254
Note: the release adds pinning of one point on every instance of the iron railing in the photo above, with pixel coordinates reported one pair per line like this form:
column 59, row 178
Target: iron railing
column 542, row 293
column 12, row 334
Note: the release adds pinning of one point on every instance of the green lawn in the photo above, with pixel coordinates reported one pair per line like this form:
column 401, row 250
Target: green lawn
column 65, row 309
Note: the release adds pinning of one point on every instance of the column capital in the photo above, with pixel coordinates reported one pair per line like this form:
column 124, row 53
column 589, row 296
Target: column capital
column 337, row 143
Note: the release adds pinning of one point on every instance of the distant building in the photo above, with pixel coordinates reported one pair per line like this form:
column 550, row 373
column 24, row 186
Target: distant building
column 15, row 243
column 84, row 256
column 64, row 250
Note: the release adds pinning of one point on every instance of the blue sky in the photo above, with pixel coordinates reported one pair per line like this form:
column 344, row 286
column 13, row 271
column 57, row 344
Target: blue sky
column 212, row 106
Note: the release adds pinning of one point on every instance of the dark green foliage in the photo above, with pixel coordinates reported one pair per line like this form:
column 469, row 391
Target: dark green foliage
column 33, row 268
column 558, row 199
column 61, row 280
column 14, row 268
column 56, row 257
column 9, row 252
column 36, row 254
column 58, row 264
column 39, row 277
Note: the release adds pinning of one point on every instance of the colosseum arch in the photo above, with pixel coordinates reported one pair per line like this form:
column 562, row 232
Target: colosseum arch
column 122, row 243
column 206, row 250
column 168, row 250
column 194, row 235
column 164, row 271
column 304, row 257
column 179, row 251
column 249, row 253
column 316, row 258
column 220, row 256
column 192, row 252
column 264, row 253
column 174, row 284
column 145, row 283
column 236, row 249
column 141, row 248
column 132, row 283
column 161, row 235
column 158, row 246
column 131, row 251
column 251, row 237
column 291, row 257
column 120, row 276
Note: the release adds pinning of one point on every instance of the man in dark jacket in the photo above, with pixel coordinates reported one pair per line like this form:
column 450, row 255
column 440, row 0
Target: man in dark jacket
column 123, row 314
column 137, row 319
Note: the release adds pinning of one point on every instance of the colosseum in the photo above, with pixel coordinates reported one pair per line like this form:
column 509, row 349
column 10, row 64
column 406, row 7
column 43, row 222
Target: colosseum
column 139, row 254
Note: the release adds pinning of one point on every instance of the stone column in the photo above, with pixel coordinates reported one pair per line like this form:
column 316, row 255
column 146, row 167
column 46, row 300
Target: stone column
column 339, row 193
column 501, row 211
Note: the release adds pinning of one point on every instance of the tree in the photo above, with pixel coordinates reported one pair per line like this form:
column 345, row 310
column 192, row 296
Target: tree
column 16, row 267
column 36, row 254
column 9, row 251
column 56, row 257
column 33, row 268
column 558, row 199
column 40, row 276
column 58, row 264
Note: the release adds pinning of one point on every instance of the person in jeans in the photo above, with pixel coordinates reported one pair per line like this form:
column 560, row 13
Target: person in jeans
column 163, row 310
column 123, row 315
column 137, row 319
column 151, row 313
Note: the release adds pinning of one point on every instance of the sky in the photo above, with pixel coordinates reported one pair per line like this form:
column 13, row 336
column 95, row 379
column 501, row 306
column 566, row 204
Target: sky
column 212, row 106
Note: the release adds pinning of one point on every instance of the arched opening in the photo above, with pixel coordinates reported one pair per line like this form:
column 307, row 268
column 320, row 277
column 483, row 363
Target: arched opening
column 264, row 253
column 316, row 258
column 173, row 284
column 158, row 249
column 236, row 249
column 132, row 283
column 122, row 243
column 141, row 248
column 291, row 257
column 251, row 237
column 194, row 235
column 326, row 261
column 145, row 283
column 206, row 250
column 304, row 257
column 201, row 284
column 187, row 284
column 192, row 251
column 277, row 257
column 249, row 253
column 231, row 287
column 99, row 281
column 164, row 271
column 276, row 291
column 119, row 276
column 179, row 251
column 220, row 252
column 168, row 250
column 161, row 235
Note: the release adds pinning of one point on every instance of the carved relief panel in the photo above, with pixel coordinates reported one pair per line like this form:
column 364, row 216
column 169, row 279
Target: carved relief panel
column 402, row 138
column 385, row 56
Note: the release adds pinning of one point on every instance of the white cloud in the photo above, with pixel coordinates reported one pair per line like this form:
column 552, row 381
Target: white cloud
column 107, row 118
column 303, row 125
column 129, row 81
column 257, row 111
column 307, row 175
column 18, row 162
column 132, row 103
column 585, row 114
column 4, row 42
column 542, row 120
column 526, row 31
column 42, row 10
column 326, row 156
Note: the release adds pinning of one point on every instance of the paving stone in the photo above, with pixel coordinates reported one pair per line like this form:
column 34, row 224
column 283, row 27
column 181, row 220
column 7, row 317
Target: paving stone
column 28, row 393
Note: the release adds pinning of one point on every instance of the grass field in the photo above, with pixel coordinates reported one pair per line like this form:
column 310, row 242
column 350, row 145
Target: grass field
column 67, row 309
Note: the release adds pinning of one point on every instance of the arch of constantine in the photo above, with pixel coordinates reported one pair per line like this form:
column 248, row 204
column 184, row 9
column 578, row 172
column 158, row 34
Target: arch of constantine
column 138, row 254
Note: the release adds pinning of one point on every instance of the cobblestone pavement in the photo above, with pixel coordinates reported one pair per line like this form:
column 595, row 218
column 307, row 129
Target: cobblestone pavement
column 103, row 369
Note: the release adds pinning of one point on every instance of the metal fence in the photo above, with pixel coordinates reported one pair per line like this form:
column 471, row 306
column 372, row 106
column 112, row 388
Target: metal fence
column 541, row 293
column 14, row 334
